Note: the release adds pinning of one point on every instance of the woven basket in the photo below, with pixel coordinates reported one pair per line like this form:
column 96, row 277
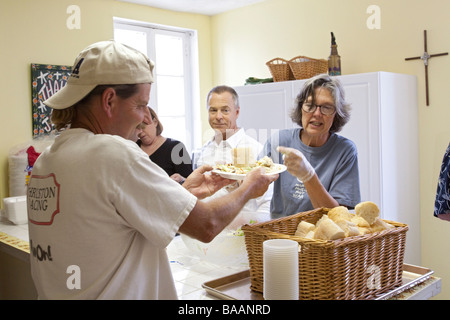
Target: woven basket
column 360, row 267
column 280, row 70
column 304, row 67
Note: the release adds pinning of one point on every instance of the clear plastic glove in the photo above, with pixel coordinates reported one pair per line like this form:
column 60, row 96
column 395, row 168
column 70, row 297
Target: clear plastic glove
column 296, row 163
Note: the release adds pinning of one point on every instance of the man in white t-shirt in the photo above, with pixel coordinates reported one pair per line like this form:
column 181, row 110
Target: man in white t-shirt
column 223, row 112
column 100, row 212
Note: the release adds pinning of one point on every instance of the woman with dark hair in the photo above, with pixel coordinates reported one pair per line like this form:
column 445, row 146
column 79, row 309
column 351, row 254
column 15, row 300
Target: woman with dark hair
column 322, row 166
column 171, row 155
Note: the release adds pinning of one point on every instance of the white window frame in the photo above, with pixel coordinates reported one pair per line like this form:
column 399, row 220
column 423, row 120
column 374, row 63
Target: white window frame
column 191, row 71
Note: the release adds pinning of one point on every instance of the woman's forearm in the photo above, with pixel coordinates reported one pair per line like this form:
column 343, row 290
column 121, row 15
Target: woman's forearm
column 318, row 195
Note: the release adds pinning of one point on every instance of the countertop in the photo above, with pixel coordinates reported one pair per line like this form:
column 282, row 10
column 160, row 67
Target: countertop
column 189, row 270
column 14, row 239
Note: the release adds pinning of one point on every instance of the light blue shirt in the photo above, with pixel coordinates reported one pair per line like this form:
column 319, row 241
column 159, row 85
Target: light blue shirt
column 336, row 165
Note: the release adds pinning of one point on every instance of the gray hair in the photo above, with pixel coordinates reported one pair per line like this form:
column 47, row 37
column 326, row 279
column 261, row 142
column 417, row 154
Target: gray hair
column 337, row 91
column 222, row 89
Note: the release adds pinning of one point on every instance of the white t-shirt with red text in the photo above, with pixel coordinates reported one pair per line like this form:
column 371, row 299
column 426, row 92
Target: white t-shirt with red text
column 100, row 217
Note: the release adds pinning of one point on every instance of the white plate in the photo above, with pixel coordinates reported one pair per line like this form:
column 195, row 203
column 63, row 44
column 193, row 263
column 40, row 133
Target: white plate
column 241, row 176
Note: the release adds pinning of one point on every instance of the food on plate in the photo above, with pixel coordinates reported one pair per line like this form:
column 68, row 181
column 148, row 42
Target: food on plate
column 339, row 223
column 242, row 156
column 265, row 162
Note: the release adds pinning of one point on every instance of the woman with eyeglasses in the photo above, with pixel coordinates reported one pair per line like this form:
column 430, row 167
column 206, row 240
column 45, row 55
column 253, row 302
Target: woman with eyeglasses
column 322, row 166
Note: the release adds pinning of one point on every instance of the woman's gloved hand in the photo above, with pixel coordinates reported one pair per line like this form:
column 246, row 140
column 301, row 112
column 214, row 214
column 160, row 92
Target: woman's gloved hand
column 296, row 163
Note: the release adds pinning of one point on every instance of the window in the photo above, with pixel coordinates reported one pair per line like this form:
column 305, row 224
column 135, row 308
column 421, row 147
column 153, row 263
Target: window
column 174, row 95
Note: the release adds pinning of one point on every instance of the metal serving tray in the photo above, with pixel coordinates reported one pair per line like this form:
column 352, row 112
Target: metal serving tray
column 237, row 286
column 412, row 276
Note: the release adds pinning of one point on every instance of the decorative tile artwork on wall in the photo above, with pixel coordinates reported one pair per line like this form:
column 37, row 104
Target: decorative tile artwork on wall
column 46, row 80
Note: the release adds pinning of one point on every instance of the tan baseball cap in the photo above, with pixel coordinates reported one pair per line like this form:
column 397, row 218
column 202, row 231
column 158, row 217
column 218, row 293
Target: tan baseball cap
column 102, row 63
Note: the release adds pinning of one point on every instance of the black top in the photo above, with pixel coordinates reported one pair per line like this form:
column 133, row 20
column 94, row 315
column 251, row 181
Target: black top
column 172, row 157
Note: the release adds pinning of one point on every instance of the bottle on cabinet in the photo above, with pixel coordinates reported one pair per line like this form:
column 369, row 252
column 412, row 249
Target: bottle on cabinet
column 334, row 60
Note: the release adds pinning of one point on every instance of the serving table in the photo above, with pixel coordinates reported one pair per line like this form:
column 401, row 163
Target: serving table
column 197, row 279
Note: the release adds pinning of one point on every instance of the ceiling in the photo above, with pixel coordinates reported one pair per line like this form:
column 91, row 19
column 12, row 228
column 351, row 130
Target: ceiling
column 206, row 7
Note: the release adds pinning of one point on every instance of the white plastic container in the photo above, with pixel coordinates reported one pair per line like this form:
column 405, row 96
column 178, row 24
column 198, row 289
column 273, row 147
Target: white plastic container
column 15, row 209
column 280, row 261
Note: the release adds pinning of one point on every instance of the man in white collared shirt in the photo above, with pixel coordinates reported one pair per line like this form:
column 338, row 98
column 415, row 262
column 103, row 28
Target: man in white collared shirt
column 223, row 112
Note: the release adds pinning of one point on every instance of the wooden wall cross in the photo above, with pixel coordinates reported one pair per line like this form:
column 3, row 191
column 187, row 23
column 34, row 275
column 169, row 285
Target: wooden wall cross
column 425, row 57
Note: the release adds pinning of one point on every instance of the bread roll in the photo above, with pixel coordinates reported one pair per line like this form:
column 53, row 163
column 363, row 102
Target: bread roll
column 327, row 229
column 364, row 230
column 349, row 228
column 353, row 231
column 367, row 210
column 380, row 225
column 360, row 222
column 310, row 235
column 339, row 213
column 303, row 228
column 340, row 223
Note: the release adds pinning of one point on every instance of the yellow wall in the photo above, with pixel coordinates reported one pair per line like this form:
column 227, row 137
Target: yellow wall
column 36, row 32
column 245, row 39
column 236, row 45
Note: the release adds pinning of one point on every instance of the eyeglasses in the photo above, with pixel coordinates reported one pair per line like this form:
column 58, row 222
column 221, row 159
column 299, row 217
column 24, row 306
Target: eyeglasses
column 325, row 110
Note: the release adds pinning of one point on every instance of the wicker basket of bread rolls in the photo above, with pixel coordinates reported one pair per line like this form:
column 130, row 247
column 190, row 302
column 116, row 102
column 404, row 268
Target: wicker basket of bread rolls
column 342, row 256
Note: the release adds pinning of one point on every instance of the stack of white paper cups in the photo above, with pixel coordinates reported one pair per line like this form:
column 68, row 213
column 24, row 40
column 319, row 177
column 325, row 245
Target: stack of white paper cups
column 280, row 260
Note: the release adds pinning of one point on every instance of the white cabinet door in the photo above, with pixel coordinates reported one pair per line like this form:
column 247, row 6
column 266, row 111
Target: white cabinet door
column 264, row 109
column 363, row 129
